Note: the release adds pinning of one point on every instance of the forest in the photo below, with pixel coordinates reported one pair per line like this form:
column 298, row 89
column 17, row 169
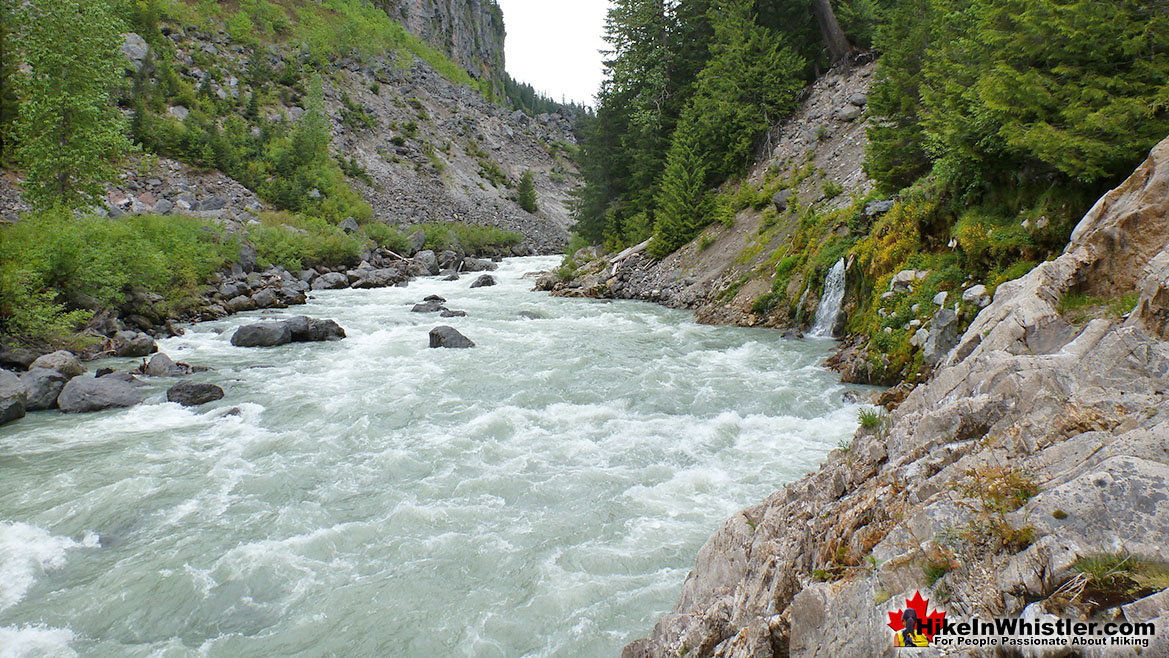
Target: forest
column 994, row 125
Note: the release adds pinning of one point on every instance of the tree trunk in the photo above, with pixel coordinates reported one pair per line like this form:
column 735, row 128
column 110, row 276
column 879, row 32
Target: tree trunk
column 838, row 46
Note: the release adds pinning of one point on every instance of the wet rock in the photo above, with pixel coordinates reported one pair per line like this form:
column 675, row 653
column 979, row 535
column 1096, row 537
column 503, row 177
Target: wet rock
column 448, row 260
column 427, row 261
column 85, row 394
column 193, row 394
column 428, row 307
column 63, row 362
column 370, row 279
column 311, row 330
column 240, row 304
column 448, row 337
column 265, row 334
column 42, row 387
column 434, row 298
column 161, row 365
column 484, row 281
column 479, row 265
column 134, row 344
column 13, row 397
column 453, row 314
column 17, row 358
column 331, row 281
column 265, row 299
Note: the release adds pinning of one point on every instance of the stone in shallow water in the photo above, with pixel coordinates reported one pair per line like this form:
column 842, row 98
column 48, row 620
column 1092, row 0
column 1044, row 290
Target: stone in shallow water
column 449, row 337
column 85, row 394
column 193, row 394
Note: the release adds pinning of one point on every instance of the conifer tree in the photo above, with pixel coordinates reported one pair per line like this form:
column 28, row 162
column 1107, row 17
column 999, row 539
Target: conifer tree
column 69, row 132
column 684, row 203
column 527, row 193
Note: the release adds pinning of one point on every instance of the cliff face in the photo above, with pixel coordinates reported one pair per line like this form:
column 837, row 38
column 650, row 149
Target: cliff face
column 469, row 31
column 1039, row 443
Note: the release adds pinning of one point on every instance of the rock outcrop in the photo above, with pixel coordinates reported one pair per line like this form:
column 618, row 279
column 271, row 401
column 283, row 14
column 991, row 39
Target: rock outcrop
column 1038, row 442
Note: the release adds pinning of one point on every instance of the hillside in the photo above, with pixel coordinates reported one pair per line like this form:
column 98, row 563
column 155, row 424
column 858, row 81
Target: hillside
column 419, row 142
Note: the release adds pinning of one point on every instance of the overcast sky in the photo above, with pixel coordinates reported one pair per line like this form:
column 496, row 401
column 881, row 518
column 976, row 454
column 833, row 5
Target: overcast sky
column 553, row 45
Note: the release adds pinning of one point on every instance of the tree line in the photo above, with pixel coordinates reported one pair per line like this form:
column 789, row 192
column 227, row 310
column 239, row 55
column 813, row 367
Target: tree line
column 986, row 100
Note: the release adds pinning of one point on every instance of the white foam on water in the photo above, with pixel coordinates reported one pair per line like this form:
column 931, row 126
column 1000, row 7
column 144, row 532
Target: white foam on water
column 27, row 552
column 543, row 494
column 36, row 642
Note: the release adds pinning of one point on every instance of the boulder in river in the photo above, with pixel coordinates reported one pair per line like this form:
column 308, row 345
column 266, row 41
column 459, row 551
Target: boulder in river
column 312, row 330
column 85, row 394
column 134, row 344
column 331, row 281
column 161, row 365
column 479, row 265
column 63, row 362
column 448, row 337
column 428, row 307
column 428, row 261
column 13, row 397
column 434, row 298
column 453, row 314
column 193, row 394
column 42, row 387
column 484, row 281
column 264, row 334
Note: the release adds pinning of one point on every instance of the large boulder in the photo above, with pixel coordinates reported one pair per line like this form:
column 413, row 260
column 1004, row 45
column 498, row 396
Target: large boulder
column 13, row 397
column 42, row 387
column 193, row 394
column 265, row 334
column 86, row 394
column 134, row 344
column 331, row 281
column 63, row 362
column 428, row 262
column 350, row 226
column 311, row 330
column 416, row 241
column 449, row 338
column 479, row 265
column 484, row 281
column 161, row 365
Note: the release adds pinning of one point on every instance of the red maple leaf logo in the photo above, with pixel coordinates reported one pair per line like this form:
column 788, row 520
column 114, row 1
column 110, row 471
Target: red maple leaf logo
column 931, row 623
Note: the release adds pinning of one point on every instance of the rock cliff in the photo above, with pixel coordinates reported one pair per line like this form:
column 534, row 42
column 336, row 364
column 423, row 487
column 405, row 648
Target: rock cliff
column 469, row 31
column 1039, row 448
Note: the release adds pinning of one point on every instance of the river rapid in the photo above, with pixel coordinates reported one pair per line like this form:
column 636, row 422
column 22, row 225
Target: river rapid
column 543, row 494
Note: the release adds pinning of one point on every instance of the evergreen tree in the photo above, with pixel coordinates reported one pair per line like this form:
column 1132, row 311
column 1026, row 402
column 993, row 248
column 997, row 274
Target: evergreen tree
column 69, row 132
column 527, row 193
column 9, row 101
column 684, row 203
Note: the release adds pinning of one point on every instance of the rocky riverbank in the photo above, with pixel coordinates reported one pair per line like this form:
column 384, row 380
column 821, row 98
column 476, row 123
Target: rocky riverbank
column 1037, row 450
column 37, row 377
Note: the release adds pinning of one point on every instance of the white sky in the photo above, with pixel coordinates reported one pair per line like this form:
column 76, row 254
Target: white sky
column 553, row 45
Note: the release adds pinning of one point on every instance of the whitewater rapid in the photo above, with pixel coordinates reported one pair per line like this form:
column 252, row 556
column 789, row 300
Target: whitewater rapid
column 543, row 494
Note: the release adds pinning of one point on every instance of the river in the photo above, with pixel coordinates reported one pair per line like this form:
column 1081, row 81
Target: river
column 544, row 494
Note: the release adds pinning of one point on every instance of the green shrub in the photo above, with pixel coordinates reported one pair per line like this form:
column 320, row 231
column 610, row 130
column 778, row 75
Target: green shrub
column 387, row 236
column 472, row 239
column 298, row 241
column 53, row 260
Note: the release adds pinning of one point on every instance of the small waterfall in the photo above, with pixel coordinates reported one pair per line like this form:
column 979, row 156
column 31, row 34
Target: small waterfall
column 830, row 300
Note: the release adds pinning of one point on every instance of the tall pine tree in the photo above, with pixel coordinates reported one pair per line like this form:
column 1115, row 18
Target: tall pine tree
column 684, row 202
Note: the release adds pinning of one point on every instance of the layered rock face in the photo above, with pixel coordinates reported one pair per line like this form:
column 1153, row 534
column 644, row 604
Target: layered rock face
column 1041, row 441
column 469, row 31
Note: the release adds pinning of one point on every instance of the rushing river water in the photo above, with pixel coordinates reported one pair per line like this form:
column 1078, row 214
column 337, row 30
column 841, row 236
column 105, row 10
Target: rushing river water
column 544, row 494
